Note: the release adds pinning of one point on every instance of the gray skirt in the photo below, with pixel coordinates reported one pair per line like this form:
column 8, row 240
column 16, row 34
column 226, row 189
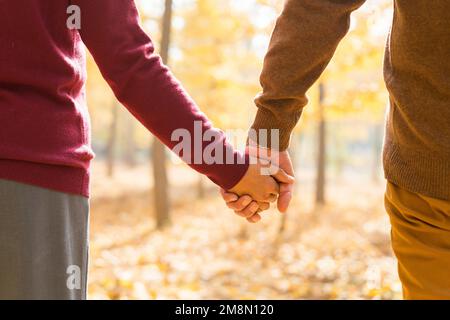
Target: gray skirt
column 43, row 243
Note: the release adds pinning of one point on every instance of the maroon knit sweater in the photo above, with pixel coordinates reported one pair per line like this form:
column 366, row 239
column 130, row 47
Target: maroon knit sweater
column 44, row 122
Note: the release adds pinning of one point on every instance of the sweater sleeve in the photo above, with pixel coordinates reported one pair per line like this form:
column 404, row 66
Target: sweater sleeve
column 305, row 38
column 144, row 85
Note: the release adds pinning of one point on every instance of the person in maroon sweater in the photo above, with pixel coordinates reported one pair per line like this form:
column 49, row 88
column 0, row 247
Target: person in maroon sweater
column 45, row 150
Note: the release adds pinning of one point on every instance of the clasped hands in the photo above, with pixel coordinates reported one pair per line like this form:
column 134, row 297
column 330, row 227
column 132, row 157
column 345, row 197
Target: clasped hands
column 269, row 178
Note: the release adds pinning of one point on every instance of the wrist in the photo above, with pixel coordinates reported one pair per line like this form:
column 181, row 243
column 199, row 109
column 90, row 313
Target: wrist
column 270, row 132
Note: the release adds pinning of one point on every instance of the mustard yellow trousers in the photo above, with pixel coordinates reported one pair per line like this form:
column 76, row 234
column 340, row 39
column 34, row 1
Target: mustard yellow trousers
column 421, row 241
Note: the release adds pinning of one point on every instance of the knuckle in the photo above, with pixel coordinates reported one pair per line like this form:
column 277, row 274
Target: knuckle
column 246, row 200
column 248, row 213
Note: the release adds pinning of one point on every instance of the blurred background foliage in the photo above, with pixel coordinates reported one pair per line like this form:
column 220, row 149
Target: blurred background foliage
column 333, row 243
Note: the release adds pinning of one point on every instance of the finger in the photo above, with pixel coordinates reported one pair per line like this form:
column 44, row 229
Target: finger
column 254, row 218
column 283, row 202
column 285, row 197
column 282, row 177
column 228, row 196
column 263, row 206
column 249, row 211
column 240, row 204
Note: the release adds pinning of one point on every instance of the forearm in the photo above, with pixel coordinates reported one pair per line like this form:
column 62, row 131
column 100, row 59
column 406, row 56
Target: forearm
column 305, row 38
column 126, row 58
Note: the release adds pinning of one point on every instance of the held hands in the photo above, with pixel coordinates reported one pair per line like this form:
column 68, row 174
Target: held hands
column 268, row 179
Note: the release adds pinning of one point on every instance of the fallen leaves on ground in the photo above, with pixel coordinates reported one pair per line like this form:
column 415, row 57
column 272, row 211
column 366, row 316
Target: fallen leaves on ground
column 339, row 251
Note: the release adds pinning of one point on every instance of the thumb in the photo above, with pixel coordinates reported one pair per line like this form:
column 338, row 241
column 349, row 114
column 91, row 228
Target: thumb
column 282, row 177
column 285, row 197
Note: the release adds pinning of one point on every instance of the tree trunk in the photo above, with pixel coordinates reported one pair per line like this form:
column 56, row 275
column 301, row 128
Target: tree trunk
column 321, row 159
column 112, row 141
column 130, row 145
column 161, row 185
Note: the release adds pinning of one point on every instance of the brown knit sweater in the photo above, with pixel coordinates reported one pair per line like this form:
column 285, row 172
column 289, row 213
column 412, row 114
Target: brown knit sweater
column 417, row 75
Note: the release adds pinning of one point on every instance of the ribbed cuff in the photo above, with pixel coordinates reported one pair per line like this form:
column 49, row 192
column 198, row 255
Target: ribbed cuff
column 267, row 124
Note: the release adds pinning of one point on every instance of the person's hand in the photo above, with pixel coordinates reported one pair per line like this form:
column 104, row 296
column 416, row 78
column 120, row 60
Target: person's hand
column 283, row 161
column 259, row 186
column 244, row 205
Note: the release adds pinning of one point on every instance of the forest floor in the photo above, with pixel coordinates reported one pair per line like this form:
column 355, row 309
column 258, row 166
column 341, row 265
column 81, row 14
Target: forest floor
column 337, row 251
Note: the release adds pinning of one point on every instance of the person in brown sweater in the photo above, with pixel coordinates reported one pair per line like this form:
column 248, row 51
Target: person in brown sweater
column 416, row 153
